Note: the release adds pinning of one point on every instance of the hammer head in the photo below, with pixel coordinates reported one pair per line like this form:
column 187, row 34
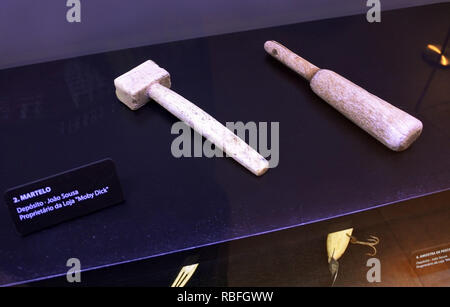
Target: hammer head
column 131, row 87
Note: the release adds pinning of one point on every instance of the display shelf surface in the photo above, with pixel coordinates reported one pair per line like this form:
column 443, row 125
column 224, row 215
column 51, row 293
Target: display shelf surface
column 59, row 115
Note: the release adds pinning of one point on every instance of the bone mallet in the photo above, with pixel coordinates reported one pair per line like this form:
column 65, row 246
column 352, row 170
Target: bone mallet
column 388, row 124
column 149, row 81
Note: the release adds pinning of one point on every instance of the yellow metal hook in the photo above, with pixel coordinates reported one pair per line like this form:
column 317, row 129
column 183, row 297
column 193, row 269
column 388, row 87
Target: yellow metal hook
column 371, row 242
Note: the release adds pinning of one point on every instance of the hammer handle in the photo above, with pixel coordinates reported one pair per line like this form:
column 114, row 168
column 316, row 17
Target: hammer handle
column 209, row 127
column 291, row 60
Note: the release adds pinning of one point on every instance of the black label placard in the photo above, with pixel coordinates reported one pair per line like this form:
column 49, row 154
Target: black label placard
column 64, row 196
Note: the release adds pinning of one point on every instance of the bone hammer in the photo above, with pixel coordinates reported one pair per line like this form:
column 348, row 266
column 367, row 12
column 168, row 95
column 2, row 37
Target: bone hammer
column 149, row 81
column 388, row 124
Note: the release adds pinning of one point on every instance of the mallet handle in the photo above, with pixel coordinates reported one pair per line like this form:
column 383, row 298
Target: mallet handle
column 291, row 60
column 210, row 128
column 391, row 126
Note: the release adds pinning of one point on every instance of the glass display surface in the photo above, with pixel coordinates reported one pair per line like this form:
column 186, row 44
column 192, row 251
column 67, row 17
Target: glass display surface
column 60, row 115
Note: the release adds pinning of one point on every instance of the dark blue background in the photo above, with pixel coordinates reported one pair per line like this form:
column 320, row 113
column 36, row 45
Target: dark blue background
column 63, row 114
column 35, row 31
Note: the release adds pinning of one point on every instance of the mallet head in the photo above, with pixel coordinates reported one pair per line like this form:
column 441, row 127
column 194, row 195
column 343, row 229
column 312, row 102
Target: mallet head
column 132, row 86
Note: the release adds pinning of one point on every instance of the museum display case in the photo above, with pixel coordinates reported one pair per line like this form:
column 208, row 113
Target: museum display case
column 314, row 199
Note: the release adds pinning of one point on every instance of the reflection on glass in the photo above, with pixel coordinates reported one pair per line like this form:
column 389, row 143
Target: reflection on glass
column 443, row 59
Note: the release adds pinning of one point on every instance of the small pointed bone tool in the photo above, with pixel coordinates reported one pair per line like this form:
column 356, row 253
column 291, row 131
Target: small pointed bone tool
column 149, row 81
column 388, row 124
